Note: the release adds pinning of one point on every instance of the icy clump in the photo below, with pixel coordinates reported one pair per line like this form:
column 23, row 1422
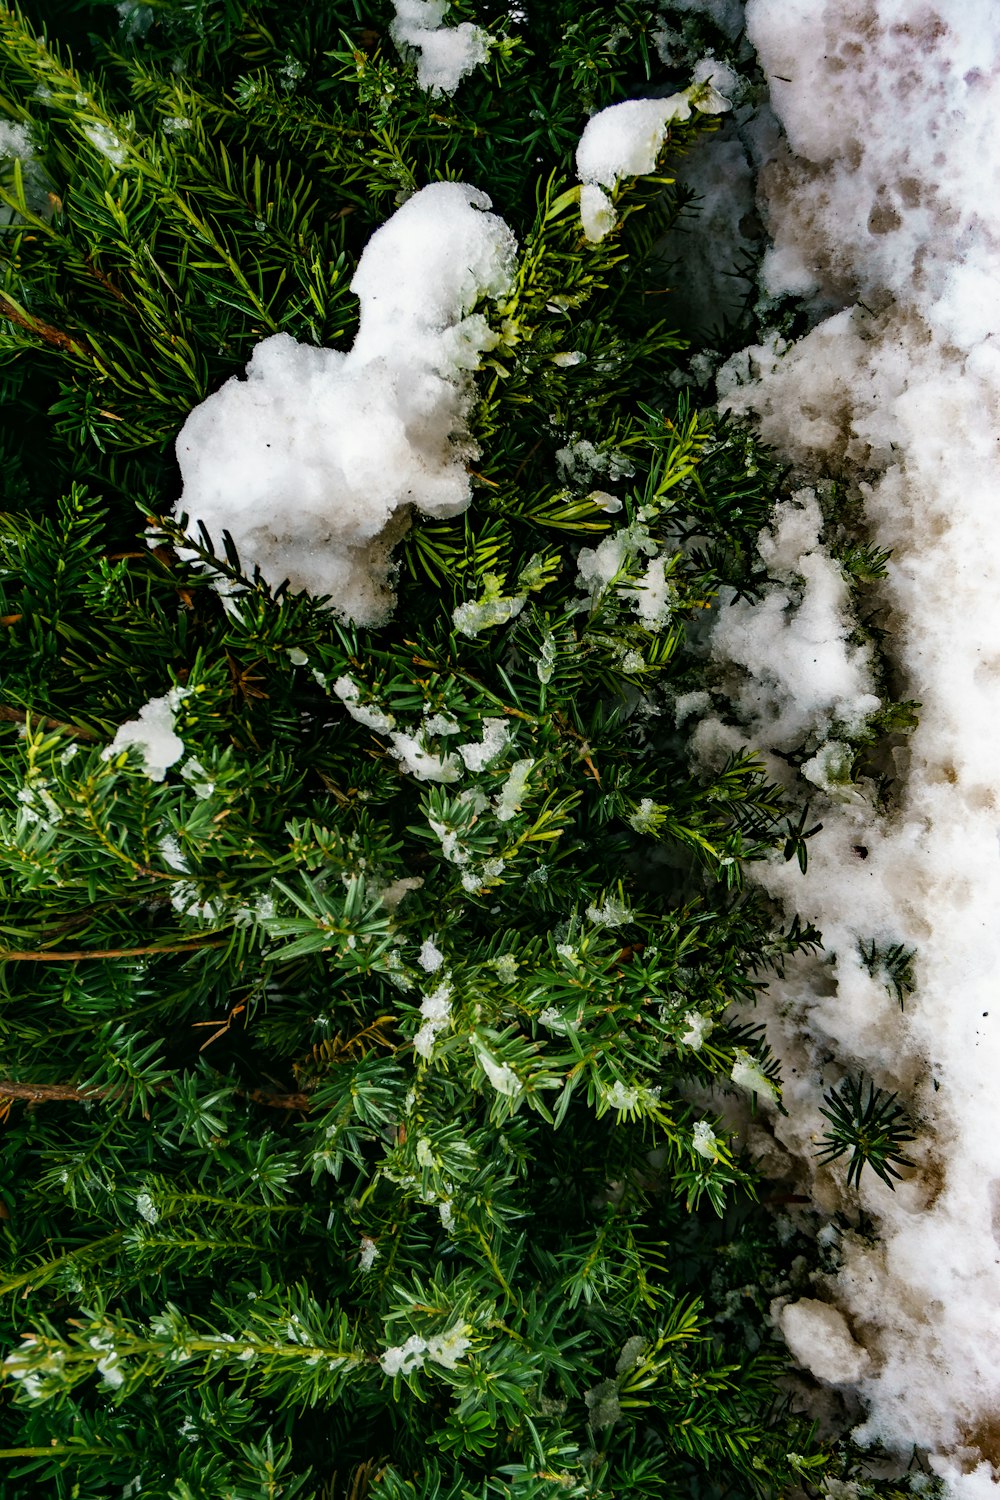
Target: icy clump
column 15, row 141
column 747, row 1075
column 581, row 461
column 818, row 1337
column 884, row 211
column 411, row 750
column 611, row 913
column 152, row 734
column 443, row 1349
column 368, row 714
column 313, row 461
column 110, row 145
column 445, row 54
column 598, row 567
column 625, row 140
column 495, row 738
column 653, row 596
column 430, row 958
column 436, row 1011
column 704, row 1140
column 501, row 1075
column 622, row 1096
column 507, row 802
column 699, row 1029
column 484, row 614
column 40, row 196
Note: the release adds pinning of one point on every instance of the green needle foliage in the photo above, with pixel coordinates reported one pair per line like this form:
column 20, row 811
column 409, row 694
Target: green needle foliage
column 874, row 1130
column 357, row 1138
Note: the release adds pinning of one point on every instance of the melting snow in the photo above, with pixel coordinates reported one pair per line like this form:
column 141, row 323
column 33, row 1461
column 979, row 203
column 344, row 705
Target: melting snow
column 884, row 212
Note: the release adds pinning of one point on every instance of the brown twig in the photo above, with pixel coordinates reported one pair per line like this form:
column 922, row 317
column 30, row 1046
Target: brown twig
column 277, row 1101
column 46, row 1093
column 18, row 716
column 106, row 282
column 53, row 336
column 64, row 955
column 65, row 1093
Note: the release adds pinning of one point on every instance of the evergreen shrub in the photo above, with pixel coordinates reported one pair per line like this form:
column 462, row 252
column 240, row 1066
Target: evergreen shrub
column 360, row 1135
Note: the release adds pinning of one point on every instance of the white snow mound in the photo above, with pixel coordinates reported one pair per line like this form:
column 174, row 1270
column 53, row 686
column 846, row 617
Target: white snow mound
column 312, row 461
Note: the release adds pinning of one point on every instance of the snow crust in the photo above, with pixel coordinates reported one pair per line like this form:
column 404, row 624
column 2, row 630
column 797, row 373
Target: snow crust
column 313, row 461
column 445, row 54
column 884, row 212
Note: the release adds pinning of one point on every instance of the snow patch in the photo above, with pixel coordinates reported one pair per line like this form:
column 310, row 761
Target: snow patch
column 883, row 206
column 445, row 54
column 314, row 460
column 152, row 734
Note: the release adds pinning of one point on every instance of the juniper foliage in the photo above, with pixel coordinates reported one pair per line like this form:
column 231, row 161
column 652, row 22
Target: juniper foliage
column 358, row 1131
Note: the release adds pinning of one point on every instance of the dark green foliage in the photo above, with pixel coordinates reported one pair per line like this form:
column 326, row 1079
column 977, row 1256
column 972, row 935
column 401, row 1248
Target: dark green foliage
column 874, row 1130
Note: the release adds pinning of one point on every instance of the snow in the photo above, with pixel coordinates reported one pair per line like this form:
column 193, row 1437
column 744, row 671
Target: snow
column 653, row 595
column 15, row 141
column 622, row 1096
column 430, row 958
column 152, row 734
column 625, row 140
column 436, row 1011
column 493, row 741
column 349, row 693
column 445, row 1349
column 501, row 1075
column 104, row 140
column 747, row 1075
column 797, row 671
column 314, row 460
column 146, row 1208
column 483, row 614
column 598, row 567
column 445, row 54
column 883, row 208
column 704, row 1140
column 699, row 1029
column 581, row 461
column 611, row 913
column 411, row 750
column 507, row 802
column 818, row 1337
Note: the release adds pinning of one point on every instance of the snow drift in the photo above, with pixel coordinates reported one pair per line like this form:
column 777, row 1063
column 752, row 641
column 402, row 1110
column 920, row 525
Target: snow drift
column 883, row 211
